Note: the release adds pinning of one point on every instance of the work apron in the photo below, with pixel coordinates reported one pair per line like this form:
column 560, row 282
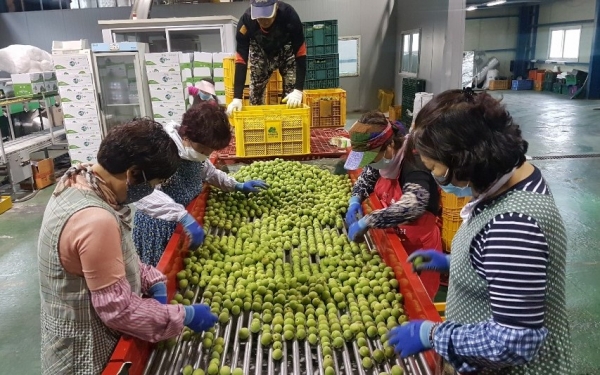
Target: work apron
column 422, row 233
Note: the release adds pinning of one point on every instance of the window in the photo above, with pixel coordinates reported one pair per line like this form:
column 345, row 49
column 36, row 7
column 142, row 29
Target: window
column 411, row 50
column 564, row 43
column 349, row 49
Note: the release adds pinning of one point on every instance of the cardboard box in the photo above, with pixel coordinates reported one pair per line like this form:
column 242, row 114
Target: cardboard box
column 203, row 60
column 89, row 141
column 167, row 93
column 83, row 156
column 80, row 111
column 49, row 76
column 74, row 78
column 56, row 116
column 28, row 84
column 185, row 65
column 77, row 62
column 166, row 59
column 8, row 90
column 43, row 174
column 172, row 111
column 164, row 78
column 218, row 59
column 51, row 86
column 40, row 182
column 77, row 95
column 82, row 126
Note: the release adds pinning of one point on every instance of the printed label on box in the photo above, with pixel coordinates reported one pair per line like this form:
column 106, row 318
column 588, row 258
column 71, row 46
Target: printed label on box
column 71, row 62
column 82, row 126
column 162, row 78
column 77, row 96
column 162, row 59
column 79, row 111
column 74, row 78
column 168, row 110
column 202, row 72
column 79, row 156
column 164, row 93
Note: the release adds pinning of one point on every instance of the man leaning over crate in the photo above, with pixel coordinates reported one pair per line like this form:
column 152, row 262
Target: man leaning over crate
column 269, row 36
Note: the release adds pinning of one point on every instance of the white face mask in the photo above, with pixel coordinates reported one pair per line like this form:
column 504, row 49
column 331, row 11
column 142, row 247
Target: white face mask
column 193, row 155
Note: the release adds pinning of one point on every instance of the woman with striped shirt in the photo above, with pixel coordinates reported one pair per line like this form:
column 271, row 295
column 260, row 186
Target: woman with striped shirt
column 505, row 309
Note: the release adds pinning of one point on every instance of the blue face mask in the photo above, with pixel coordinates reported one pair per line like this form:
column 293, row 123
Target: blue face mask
column 460, row 192
column 138, row 191
column 383, row 163
column 204, row 96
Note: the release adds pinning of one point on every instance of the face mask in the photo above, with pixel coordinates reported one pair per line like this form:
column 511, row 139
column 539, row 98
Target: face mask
column 193, row 155
column 139, row 191
column 204, row 96
column 383, row 163
column 460, row 192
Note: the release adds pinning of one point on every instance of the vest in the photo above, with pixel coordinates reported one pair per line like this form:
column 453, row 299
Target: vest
column 468, row 299
column 74, row 339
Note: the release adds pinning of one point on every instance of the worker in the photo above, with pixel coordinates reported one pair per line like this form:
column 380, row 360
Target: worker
column 505, row 310
column 91, row 280
column 401, row 182
column 269, row 36
column 204, row 93
column 205, row 128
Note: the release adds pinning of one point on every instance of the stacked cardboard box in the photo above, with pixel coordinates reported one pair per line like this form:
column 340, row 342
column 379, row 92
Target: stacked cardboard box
column 219, row 74
column 166, row 86
column 78, row 97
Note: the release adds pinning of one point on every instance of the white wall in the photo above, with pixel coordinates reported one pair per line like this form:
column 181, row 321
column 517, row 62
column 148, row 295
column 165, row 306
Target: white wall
column 566, row 11
column 499, row 32
column 442, row 41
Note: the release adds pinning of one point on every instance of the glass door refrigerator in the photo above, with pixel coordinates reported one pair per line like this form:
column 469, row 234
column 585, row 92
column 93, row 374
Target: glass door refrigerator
column 121, row 82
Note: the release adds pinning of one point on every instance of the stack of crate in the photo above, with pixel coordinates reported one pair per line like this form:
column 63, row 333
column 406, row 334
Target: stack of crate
column 537, row 76
column 322, row 94
column 322, row 61
column 451, row 220
column 410, row 88
column 549, row 80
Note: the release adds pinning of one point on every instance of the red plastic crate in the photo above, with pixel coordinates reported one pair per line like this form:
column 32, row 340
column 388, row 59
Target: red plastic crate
column 135, row 353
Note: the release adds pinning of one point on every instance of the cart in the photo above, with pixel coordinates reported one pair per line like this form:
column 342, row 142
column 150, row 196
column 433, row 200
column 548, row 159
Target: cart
column 132, row 356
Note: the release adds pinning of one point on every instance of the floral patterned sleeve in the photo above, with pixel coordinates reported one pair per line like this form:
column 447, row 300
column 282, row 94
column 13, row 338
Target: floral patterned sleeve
column 365, row 184
column 412, row 205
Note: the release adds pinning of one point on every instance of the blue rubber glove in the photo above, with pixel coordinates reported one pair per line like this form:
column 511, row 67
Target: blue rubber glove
column 358, row 230
column 354, row 208
column 433, row 260
column 199, row 317
column 252, row 186
column 411, row 338
column 194, row 230
column 158, row 291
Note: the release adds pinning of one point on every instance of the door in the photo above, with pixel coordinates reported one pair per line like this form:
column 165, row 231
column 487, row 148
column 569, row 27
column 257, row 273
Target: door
column 118, row 84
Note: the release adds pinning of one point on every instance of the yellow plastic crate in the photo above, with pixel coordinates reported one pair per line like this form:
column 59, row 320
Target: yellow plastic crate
column 328, row 107
column 451, row 201
column 441, row 309
column 275, row 83
column 271, row 130
column 5, row 203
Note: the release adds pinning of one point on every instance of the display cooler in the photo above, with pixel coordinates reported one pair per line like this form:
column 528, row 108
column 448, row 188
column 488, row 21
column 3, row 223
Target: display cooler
column 135, row 357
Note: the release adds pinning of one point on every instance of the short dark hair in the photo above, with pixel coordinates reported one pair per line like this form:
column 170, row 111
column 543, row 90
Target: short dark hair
column 472, row 134
column 206, row 124
column 141, row 143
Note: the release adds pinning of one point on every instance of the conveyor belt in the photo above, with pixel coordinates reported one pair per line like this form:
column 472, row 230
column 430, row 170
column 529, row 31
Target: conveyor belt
column 33, row 142
column 299, row 357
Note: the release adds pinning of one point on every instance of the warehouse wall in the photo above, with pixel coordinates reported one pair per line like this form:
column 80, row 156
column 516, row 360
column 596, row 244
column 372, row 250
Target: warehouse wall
column 442, row 25
column 372, row 20
column 566, row 11
column 494, row 31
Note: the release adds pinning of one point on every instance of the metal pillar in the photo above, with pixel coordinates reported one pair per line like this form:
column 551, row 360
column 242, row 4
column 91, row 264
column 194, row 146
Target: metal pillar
column 593, row 79
column 526, row 40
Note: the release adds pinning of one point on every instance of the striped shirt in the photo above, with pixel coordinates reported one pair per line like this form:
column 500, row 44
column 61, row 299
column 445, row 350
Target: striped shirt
column 511, row 254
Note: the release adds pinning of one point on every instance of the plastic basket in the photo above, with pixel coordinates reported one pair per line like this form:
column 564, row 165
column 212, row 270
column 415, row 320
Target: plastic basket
column 275, row 83
column 271, row 130
column 321, row 37
column 5, row 203
column 319, row 84
column 327, row 107
column 323, row 67
column 451, row 201
column 245, row 96
column 499, row 85
column 522, row 84
column 451, row 221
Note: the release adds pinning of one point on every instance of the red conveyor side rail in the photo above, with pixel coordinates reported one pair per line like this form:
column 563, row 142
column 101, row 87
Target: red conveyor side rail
column 417, row 304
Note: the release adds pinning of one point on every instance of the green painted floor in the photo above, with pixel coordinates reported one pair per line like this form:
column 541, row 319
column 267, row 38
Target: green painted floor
column 553, row 125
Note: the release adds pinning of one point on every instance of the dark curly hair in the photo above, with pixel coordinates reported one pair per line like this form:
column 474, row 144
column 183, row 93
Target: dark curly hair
column 140, row 143
column 472, row 134
column 206, row 124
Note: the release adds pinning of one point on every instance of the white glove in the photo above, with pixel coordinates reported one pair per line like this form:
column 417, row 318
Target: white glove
column 235, row 105
column 293, row 99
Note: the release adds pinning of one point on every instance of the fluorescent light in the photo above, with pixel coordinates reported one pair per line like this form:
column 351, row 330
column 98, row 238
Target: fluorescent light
column 471, row 8
column 497, row 2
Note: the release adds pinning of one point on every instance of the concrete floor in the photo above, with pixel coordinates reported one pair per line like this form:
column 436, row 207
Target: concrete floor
column 553, row 125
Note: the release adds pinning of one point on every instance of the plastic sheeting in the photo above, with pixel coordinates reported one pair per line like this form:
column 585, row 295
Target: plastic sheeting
column 19, row 58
